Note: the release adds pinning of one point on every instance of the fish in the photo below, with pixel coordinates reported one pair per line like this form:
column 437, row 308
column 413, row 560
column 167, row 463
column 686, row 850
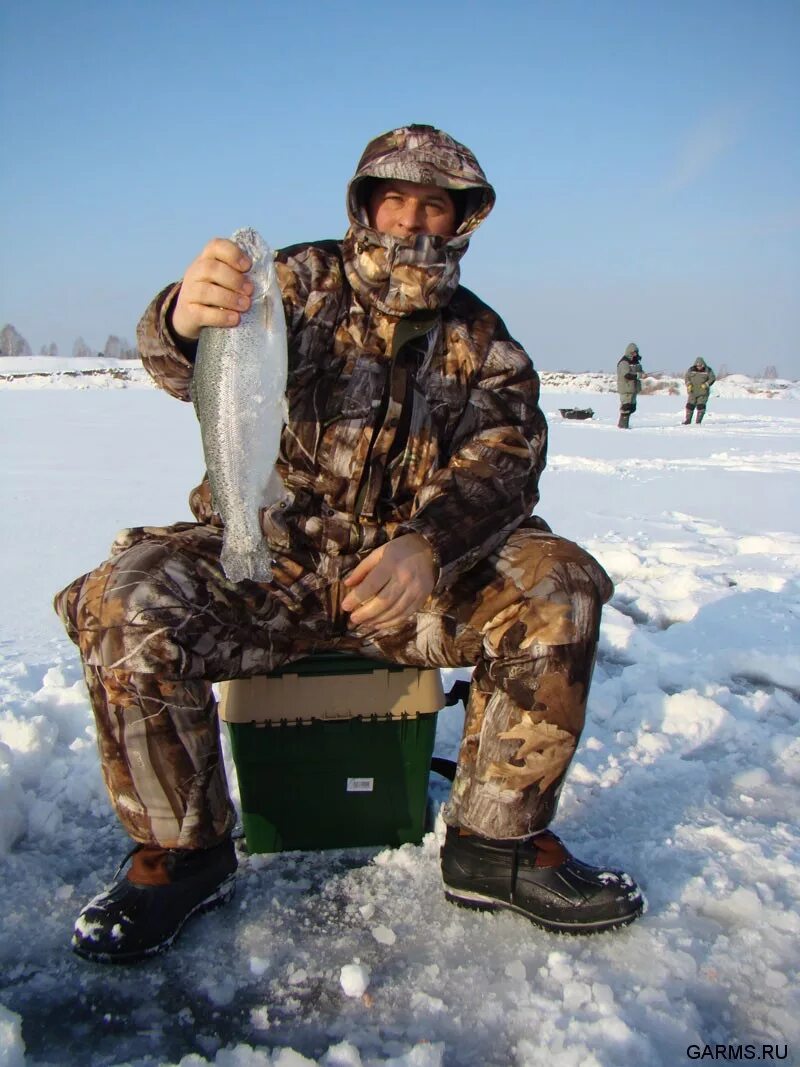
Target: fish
column 239, row 389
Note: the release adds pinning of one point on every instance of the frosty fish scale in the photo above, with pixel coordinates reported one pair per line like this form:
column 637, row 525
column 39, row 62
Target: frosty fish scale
column 239, row 388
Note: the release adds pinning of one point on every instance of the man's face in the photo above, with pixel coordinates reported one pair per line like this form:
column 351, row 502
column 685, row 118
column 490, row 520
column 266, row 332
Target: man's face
column 405, row 209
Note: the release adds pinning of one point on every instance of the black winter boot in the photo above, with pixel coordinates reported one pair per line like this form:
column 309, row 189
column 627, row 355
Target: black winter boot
column 689, row 413
column 142, row 913
column 624, row 419
column 539, row 879
column 699, row 416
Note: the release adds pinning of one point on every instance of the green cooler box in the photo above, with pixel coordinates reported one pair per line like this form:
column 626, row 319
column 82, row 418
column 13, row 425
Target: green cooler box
column 333, row 751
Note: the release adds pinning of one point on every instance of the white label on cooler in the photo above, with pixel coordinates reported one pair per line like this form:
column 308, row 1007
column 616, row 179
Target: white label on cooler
column 360, row 785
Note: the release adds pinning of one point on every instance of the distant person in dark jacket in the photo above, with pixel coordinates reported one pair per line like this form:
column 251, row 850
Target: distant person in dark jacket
column 629, row 384
column 699, row 378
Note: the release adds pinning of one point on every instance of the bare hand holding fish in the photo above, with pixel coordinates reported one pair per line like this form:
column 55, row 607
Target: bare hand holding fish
column 215, row 289
column 239, row 390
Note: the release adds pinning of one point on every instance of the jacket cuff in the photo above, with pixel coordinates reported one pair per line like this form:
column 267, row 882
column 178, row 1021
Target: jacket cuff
column 186, row 347
column 169, row 367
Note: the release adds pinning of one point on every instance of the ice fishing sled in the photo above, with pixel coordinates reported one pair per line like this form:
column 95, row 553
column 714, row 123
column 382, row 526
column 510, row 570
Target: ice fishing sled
column 576, row 413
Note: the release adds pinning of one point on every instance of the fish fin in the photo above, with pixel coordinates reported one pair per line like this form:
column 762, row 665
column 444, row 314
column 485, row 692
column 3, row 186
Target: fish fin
column 274, row 490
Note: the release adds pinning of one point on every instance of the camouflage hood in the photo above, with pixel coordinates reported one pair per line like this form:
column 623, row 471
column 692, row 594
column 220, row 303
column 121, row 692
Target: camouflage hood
column 401, row 275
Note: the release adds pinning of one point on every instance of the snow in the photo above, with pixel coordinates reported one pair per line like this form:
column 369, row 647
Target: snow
column 687, row 776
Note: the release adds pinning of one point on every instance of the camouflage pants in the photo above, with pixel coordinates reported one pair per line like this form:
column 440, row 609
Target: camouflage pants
column 158, row 622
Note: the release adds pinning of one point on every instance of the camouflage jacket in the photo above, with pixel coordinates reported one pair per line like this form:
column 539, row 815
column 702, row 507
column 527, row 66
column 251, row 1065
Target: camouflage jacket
column 410, row 408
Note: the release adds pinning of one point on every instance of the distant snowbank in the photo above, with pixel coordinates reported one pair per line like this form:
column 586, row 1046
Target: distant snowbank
column 93, row 372
column 731, row 386
column 97, row 372
column 49, row 365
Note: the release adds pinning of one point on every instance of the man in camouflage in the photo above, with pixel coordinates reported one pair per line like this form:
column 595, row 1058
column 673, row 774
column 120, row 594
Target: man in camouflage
column 629, row 384
column 699, row 378
column 411, row 456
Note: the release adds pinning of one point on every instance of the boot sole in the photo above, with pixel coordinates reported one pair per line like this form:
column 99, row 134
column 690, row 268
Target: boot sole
column 221, row 895
column 479, row 902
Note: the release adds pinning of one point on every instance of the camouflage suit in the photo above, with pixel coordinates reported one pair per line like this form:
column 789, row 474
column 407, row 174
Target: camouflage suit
column 411, row 409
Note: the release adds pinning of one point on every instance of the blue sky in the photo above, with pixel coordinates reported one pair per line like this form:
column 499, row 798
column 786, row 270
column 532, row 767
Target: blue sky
column 646, row 158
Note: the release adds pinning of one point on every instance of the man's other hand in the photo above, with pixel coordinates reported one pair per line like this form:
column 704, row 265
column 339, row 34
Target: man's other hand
column 214, row 291
column 390, row 584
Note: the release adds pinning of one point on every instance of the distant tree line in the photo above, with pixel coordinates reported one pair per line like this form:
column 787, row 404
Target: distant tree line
column 12, row 343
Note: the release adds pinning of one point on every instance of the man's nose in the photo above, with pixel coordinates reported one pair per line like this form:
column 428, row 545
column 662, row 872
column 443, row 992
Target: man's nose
column 413, row 216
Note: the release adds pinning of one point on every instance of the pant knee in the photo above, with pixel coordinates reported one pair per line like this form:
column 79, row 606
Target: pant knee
column 579, row 574
column 65, row 605
column 118, row 605
column 554, row 592
column 586, row 587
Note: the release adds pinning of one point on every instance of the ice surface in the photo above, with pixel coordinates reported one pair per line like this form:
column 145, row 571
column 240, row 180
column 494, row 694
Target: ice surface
column 687, row 776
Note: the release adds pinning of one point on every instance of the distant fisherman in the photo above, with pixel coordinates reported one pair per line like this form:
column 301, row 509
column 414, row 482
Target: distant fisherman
column 412, row 452
column 699, row 378
column 629, row 384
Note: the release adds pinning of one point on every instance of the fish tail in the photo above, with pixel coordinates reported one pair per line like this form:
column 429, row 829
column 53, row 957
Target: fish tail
column 240, row 564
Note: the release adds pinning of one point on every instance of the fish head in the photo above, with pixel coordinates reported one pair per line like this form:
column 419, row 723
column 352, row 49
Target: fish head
column 261, row 256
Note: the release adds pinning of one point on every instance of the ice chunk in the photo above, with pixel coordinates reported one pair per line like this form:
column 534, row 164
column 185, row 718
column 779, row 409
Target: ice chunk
column 354, row 979
column 384, row 935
